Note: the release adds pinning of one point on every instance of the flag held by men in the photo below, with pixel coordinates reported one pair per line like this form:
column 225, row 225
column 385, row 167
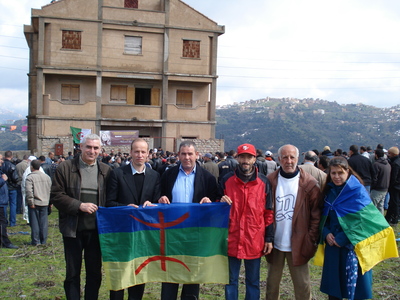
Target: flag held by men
column 180, row 243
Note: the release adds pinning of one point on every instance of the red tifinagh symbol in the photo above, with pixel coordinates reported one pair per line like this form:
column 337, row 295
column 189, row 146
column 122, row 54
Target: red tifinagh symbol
column 162, row 225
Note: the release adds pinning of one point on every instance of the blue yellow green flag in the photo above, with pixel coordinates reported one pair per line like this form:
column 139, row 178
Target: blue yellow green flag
column 179, row 243
column 366, row 228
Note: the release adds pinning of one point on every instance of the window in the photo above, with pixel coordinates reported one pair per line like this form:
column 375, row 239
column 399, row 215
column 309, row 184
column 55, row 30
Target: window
column 191, row 49
column 71, row 39
column 133, row 45
column 184, row 98
column 70, row 93
column 142, row 96
column 118, row 93
column 131, row 3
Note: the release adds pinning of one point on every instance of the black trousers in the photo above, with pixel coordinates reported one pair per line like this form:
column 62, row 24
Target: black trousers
column 5, row 241
column 88, row 243
column 392, row 214
column 134, row 292
column 169, row 291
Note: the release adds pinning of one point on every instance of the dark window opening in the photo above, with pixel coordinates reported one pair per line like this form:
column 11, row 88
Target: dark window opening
column 142, row 96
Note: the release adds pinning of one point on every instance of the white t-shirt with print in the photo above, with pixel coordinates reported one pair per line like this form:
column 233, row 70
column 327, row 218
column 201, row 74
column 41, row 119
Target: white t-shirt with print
column 285, row 201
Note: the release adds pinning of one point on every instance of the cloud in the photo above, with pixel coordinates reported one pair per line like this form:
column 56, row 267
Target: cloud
column 344, row 51
column 340, row 51
column 14, row 99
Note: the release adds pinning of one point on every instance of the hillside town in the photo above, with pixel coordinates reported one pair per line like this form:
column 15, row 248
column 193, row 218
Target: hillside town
column 127, row 180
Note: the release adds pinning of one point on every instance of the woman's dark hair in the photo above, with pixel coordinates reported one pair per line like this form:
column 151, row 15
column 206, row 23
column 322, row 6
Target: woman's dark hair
column 341, row 162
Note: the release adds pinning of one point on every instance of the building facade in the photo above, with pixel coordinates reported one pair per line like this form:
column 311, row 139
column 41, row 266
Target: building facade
column 147, row 65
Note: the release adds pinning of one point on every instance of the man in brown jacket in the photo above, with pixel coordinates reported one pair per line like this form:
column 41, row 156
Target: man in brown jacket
column 296, row 198
column 79, row 188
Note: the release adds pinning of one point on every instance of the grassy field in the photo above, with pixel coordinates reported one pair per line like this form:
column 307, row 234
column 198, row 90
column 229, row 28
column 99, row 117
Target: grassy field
column 37, row 272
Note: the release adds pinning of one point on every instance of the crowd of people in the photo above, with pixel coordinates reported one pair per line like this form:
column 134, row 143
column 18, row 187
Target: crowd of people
column 281, row 209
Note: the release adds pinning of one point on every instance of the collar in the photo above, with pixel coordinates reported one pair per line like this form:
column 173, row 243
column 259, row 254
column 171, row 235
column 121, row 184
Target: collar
column 134, row 171
column 85, row 164
column 289, row 175
column 193, row 171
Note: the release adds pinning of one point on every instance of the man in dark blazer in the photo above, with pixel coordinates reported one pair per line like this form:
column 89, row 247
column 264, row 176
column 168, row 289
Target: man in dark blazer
column 187, row 182
column 133, row 185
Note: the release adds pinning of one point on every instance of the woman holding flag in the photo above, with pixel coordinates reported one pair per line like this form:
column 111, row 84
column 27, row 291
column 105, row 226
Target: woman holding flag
column 354, row 235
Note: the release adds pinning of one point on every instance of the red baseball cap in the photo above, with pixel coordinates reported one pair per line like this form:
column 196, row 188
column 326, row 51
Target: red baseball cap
column 246, row 148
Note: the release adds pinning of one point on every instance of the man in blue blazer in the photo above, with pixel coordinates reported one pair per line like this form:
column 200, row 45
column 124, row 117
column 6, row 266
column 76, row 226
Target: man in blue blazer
column 187, row 182
column 133, row 185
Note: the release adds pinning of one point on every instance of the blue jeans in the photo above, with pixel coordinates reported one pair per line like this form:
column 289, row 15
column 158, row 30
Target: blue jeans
column 252, row 271
column 387, row 198
column 12, row 200
column 39, row 224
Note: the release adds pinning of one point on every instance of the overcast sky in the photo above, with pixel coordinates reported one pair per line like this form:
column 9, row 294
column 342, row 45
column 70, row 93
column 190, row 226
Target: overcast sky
column 343, row 51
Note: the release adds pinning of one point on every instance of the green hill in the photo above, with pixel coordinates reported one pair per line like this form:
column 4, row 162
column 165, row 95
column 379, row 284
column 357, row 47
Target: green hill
column 307, row 123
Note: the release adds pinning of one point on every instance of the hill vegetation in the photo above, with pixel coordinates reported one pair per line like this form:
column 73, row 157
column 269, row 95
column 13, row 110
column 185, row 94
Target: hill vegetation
column 13, row 140
column 307, row 123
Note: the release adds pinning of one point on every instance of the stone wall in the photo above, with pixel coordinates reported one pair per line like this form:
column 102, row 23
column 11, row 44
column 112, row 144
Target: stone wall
column 206, row 145
column 49, row 144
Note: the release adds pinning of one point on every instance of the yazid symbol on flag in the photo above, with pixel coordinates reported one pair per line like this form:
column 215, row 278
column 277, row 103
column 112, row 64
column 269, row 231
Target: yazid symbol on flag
column 79, row 133
column 181, row 243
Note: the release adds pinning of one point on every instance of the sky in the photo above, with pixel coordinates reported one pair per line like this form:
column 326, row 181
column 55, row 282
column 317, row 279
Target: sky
column 343, row 51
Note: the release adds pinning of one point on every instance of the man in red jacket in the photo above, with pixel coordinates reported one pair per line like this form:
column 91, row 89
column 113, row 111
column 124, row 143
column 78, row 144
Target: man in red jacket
column 250, row 234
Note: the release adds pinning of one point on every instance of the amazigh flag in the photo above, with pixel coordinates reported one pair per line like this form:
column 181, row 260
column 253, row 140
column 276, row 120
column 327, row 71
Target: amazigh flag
column 366, row 228
column 79, row 133
column 179, row 243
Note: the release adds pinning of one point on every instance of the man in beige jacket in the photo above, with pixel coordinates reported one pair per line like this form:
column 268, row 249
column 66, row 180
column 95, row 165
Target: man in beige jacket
column 310, row 158
column 37, row 194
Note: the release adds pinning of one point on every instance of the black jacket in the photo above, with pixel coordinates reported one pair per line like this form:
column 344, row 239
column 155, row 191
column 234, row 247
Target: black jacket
column 121, row 189
column 227, row 166
column 395, row 173
column 205, row 184
column 381, row 179
column 10, row 170
column 363, row 167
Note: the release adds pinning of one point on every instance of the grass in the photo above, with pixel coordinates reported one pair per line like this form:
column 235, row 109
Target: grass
column 37, row 272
